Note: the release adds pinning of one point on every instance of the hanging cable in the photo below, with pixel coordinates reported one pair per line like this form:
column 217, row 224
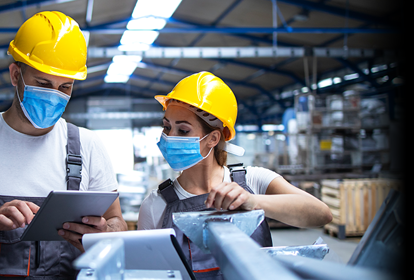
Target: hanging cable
column 274, row 12
column 346, row 27
column 306, row 68
column 314, row 74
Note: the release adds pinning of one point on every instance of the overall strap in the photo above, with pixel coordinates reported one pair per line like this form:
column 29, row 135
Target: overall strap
column 167, row 191
column 238, row 175
column 73, row 158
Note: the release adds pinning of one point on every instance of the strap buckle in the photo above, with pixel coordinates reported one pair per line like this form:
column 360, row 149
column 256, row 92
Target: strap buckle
column 165, row 184
column 74, row 166
column 237, row 167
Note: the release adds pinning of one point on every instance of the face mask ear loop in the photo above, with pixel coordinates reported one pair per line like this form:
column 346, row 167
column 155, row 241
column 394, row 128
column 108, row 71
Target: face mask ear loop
column 203, row 137
column 208, row 153
column 17, row 87
column 210, row 149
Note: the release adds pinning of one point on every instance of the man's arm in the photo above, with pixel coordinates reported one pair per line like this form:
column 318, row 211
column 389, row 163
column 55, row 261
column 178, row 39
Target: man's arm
column 113, row 217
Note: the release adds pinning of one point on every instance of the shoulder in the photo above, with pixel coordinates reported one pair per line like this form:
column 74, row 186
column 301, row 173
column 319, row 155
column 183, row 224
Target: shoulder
column 88, row 136
column 259, row 178
column 151, row 211
column 254, row 171
column 153, row 200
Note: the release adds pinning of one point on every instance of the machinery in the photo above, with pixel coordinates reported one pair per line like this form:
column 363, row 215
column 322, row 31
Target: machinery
column 226, row 235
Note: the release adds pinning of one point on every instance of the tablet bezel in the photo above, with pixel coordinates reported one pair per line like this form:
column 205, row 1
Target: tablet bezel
column 66, row 206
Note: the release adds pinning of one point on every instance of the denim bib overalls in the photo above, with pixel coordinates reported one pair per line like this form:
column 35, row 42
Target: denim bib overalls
column 204, row 265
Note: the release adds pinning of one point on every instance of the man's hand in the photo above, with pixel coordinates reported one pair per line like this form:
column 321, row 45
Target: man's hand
column 230, row 196
column 16, row 213
column 73, row 232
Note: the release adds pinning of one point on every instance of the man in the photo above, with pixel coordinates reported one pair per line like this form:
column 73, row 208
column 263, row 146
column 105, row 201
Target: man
column 49, row 52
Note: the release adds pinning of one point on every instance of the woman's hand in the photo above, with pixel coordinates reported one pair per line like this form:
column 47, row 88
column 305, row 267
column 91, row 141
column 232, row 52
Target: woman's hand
column 230, row 196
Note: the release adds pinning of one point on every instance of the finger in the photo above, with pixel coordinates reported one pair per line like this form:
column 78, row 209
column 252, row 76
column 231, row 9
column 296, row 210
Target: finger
column 242, row 198
column 80, row 228
column 220, row 195
column 24, row 209
column 13, row 213
column 230, row 197
column 33, row 207
column 73, row 238
column 210, row 199
column 97, row 222
column 6, row 223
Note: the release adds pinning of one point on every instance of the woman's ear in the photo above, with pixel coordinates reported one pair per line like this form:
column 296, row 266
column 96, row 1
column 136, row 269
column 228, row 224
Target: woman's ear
column 214, row 138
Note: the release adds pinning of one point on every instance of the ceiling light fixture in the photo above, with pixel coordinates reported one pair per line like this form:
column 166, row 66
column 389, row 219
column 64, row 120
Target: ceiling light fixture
column 147, row 14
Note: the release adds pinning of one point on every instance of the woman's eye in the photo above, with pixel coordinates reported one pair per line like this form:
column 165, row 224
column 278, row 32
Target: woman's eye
column 183, row 131
column 166, row 127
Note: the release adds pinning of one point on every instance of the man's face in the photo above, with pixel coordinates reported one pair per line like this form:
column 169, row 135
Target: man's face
column 37, row 78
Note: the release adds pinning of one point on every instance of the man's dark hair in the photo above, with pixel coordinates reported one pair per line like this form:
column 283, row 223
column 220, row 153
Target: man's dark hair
column 21, row 65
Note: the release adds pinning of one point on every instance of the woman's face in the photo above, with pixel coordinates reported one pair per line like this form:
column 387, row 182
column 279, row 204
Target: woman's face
column 179, row 121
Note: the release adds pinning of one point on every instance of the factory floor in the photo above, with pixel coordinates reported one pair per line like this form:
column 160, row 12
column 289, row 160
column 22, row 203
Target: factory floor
column 339, row 250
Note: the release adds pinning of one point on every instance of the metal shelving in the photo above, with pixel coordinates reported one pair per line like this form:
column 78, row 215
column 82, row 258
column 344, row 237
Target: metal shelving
column 336, row 133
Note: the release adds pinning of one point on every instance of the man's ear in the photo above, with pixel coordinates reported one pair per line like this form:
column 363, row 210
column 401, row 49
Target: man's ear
column 14, row 70
column 214, row 138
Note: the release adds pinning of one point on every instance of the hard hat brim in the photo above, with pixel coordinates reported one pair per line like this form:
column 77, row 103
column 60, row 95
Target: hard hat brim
column 18, row 56
column 162, row 99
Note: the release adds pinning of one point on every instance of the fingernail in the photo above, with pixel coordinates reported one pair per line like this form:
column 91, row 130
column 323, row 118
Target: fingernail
column 13, row 226
column 231, row 207
column 66, row 226
column 61, row 232
column 85, row 220
column 23, row 225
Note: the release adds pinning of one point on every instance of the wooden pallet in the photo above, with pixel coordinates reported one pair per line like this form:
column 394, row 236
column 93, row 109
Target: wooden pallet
column 354, row 203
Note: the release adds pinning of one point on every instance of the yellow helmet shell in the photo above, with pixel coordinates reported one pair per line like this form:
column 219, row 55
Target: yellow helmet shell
column 51, row 42
column 208, row 93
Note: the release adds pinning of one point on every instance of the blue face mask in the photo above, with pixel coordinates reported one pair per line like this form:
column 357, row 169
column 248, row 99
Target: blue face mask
column 43, row 107
column 181, row 152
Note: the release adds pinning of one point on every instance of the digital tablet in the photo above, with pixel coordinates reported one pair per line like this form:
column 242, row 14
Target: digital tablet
column 65, row 206
column 155, row 249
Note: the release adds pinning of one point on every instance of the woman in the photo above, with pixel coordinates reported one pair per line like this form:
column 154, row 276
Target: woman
column 200, row 113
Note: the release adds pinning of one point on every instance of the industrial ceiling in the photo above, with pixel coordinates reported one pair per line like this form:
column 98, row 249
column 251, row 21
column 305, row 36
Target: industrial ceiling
column 267, row 51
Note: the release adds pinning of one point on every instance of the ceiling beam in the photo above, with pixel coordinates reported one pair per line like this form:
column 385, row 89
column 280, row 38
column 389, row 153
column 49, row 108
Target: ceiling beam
column 342, row 12
column 19, row 5
column 236, row 30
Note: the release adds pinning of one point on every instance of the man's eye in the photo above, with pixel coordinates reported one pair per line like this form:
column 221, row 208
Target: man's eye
column 43, row 84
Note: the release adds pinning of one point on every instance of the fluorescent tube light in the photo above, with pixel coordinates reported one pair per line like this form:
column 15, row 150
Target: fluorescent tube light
column 121, row 68
column 146, row 23
column 116, row 78
column 127, row 59
column 138, row 37
column 159, row 8
column 325, row 83
column 134, row 47
column 336, row 80
column 351, row 76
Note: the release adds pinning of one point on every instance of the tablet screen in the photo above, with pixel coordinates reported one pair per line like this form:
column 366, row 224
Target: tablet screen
column 66, row 206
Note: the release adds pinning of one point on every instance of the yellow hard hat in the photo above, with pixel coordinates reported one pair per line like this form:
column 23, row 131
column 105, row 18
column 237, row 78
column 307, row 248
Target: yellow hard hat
column 208, row 93
column 51, row 42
